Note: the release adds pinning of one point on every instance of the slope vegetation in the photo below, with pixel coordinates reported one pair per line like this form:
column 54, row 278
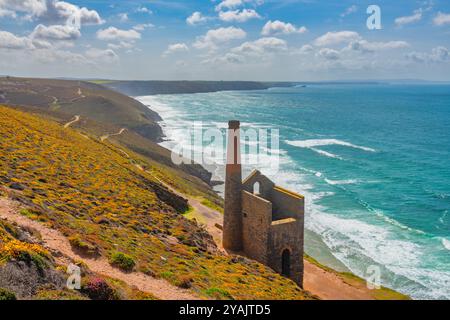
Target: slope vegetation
column 98, row 196
column 100, row 112
column 88, row 100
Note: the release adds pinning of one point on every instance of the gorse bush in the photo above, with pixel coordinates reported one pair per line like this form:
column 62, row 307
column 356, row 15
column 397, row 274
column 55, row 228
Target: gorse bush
column 7, row 295
column 122, row 261
column 15, row 249
column 83, row 247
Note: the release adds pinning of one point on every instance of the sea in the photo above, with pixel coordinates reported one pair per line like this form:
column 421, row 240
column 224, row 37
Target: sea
column 372, row 160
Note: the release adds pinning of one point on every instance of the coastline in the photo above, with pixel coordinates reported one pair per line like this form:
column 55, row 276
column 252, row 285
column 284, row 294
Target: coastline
column 325, row 276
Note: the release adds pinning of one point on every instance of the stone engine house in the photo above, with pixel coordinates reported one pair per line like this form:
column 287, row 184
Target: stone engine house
column 261, row 220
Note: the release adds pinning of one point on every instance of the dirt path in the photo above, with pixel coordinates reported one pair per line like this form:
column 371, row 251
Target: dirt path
column 328, row 286
column 55, row 241
column 68, row 124
column 103, row 138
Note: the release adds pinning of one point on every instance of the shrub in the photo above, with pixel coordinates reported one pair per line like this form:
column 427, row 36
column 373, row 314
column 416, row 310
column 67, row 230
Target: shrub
column 83, row 247
column 219, row 294
column 23, row 251
column 99, row 289
column 184, row 282
column 6, row 295
column 122, row 261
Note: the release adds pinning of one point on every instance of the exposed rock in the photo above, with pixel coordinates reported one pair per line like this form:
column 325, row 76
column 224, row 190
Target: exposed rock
column 25, row 278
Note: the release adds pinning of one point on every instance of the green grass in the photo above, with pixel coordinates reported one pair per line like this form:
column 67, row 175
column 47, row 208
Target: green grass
column 219, row 294
column 7, row 295
column 122, row 261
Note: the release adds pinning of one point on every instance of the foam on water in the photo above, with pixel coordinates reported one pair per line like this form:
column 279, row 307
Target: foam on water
column 326, row 142
column 341, row 182
column 446, row 243
column 326, row 154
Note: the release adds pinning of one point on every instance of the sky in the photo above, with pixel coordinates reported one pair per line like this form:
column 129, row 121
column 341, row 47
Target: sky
column 264, row 40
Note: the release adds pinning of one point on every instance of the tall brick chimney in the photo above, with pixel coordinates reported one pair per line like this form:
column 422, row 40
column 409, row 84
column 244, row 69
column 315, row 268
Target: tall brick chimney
column 232, row 224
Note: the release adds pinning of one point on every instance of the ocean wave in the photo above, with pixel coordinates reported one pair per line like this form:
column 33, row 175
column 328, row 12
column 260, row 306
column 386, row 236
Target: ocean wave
column 326, row 154
column 326, row 142
column 446, row 243
column 341, row 182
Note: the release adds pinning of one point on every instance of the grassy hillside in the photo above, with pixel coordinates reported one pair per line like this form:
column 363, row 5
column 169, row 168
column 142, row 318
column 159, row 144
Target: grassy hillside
column 81, row 98
column 96, row 194
column 103, row 111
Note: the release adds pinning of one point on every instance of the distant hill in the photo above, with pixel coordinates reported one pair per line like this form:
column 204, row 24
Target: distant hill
column 82, row 98
column 142, row 88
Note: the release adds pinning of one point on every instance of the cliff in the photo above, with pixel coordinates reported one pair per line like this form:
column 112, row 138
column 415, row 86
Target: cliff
column 109, row 202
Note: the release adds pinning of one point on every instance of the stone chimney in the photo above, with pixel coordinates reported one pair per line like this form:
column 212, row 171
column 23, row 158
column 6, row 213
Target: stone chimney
column 232, row 224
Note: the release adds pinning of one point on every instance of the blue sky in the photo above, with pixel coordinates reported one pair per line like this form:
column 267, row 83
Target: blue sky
column 225, row 40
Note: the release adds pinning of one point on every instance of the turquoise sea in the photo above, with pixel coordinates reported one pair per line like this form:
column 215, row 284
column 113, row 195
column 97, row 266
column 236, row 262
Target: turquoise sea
column 372, row 160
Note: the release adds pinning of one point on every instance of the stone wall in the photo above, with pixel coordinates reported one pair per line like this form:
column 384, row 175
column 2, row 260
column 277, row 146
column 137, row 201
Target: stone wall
column 257, row 217
column 286, row 204
column 265, row 185
column 287, row 234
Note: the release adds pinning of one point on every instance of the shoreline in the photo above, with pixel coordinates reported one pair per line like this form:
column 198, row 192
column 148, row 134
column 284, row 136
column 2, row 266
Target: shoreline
column 325, row 269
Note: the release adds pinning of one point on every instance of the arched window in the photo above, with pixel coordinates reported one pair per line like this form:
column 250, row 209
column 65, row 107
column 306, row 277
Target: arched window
column 286, row 263
column 257, row 188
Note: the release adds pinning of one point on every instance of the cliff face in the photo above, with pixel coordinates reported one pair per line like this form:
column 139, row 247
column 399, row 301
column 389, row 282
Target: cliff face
column 109, row 201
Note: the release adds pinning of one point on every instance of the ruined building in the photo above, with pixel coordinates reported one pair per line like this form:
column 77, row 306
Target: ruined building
column 261, row 220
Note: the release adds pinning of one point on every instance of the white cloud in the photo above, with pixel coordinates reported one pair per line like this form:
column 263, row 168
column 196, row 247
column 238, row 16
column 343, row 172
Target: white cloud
column 228, row 4
column 196, row 18
column 239, row 16
column 349, row 11
column 123, row 17
column 233, row 4
column 176, row 48
column 261, row 46
column 4, row 13
column 365, row 46
column 329, row 54
column 51, row 11
column 107, row 55
column 143, row 26
column 305, row 49
column 64, row 10
column 56, row 32
column 112, row 33
column 279, row 27
column 11, row 41
column 437, row 55
column 121, row 45
column 217, row 36
column 441, row 19
column 417, row 16
column 31, row 7
column 249, row 52
column 144, row 10
column 334, row 38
